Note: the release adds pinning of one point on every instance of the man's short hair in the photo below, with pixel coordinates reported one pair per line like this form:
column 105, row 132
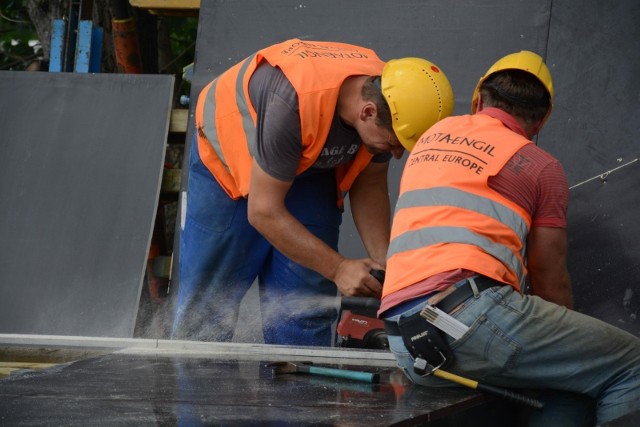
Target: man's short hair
column 517, row 92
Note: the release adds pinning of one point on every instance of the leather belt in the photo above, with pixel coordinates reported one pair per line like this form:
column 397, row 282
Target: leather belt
column 451, row 301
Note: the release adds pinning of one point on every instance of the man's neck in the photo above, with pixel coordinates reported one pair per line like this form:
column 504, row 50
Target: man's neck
column 514, row 123
column 350, row 99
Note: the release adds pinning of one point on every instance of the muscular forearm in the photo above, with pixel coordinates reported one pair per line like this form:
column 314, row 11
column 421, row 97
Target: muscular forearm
column 297, row 243
column 290, row 237
column 370, row 208
column 556, row 289
column 267, row 212
column 547, row 264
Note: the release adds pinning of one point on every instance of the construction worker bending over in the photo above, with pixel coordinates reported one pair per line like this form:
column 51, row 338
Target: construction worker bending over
column 281, row 138
column 479, row 234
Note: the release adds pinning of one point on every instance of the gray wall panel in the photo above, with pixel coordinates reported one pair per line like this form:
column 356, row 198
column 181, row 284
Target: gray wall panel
column 80, row 167
column 604, row 247
column 593, row 56
column 462, row 37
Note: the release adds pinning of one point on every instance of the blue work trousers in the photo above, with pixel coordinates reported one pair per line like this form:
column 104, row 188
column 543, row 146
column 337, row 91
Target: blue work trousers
column 221, row 255
column 523, row 341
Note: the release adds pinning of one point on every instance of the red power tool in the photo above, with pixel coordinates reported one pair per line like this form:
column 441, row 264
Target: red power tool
column 359, row 326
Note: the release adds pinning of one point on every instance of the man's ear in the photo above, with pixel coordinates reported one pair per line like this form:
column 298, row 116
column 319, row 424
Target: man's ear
column 368, row 111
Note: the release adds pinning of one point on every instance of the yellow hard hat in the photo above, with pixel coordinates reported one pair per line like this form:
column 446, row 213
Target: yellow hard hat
column 418, row 93
column 523, row 60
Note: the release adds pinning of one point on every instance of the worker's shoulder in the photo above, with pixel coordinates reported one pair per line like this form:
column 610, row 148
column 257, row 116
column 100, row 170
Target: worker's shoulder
column 536, row 154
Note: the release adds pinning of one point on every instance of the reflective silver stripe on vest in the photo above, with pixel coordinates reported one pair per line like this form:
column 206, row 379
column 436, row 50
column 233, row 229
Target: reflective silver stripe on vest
column 209, row 113
column 441, row 234
column 444, row 196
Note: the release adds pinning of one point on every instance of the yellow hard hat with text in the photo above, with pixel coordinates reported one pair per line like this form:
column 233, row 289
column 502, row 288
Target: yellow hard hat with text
column 418, row 93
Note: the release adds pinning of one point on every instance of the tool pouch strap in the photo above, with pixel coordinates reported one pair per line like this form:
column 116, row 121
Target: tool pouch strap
column 425, row 341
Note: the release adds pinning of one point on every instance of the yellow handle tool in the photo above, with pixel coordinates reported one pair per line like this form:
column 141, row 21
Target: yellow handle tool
column 502, row 392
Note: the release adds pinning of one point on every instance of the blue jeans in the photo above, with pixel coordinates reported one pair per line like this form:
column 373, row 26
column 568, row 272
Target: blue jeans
column 221, row 255
column 522, row 341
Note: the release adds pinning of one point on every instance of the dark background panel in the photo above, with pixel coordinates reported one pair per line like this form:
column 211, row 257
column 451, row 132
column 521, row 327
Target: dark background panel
column 604, row 247
column 593, row 56
column 80, row 170
column 595, row 128
column 463, row 38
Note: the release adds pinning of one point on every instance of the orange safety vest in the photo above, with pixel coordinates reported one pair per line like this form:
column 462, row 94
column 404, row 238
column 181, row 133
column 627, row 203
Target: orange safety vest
column 447, row 217
column 226, row 120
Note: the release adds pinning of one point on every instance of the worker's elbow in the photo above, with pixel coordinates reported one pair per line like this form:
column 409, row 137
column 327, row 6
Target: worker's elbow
column 258, row 218
column 253, row 217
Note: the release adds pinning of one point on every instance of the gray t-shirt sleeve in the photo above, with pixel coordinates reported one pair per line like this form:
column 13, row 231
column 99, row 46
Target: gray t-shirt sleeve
column 277, row 147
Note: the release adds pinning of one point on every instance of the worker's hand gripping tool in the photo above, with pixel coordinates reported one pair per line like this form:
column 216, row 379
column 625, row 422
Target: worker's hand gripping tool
column 359, row 326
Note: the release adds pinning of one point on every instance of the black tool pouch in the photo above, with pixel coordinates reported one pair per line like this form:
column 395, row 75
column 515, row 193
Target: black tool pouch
column 425, row 341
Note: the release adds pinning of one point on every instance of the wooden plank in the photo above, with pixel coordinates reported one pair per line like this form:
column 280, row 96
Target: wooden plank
column 25, row 365
column 56, row 61
column 83, row 47
column 169, row 7
column 179, row 118
column 7, row 368
column 166, row 4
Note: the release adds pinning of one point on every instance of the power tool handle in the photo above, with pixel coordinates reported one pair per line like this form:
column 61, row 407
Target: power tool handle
column 360, row 304
column 364, row 305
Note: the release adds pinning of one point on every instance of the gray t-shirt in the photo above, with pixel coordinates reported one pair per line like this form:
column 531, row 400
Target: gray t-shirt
column 278, row 144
